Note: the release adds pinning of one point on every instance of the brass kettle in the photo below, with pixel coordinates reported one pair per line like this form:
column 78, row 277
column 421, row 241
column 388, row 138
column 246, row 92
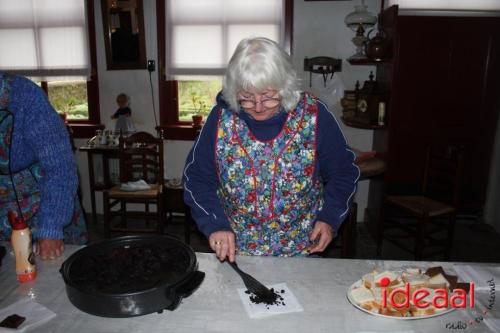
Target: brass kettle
column 377, row 47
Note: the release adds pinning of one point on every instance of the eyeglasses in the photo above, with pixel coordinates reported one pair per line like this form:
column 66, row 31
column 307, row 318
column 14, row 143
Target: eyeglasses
column 267, row 103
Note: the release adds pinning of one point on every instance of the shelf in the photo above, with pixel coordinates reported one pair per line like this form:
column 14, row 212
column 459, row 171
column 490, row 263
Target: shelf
column 367, row 62
column 371, row 167
column 354, row 123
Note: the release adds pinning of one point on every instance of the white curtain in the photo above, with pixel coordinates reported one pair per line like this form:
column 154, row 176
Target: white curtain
column 44, row 38
column 202, row 34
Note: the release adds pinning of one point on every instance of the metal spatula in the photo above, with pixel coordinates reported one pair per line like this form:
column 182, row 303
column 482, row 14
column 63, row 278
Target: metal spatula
column 254, row 286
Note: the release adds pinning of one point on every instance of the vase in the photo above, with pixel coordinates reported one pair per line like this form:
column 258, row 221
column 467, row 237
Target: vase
column 197, row 120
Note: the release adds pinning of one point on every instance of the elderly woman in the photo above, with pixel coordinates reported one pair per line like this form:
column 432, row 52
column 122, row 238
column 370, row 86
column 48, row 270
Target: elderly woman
column 38, row 176
column 270, row 173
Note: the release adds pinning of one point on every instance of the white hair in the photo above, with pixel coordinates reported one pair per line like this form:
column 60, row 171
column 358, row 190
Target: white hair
column 259, row 63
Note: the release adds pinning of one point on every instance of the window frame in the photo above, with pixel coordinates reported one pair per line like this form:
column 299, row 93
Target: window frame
column 170, row 127
column 86, row 128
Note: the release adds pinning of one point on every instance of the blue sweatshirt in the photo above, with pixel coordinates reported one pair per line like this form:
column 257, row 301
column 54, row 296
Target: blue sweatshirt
column 39, row 135
column 335, row 164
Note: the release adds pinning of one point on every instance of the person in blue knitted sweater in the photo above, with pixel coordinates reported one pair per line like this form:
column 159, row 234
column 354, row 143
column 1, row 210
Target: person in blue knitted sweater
column 270, row 173
column 38, row 173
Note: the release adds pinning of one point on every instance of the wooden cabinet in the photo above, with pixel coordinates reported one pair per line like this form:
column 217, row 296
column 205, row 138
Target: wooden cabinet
column 443, row 79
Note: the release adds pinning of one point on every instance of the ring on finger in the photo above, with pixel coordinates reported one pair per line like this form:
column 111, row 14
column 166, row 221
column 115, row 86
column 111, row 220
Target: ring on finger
column 217, row 243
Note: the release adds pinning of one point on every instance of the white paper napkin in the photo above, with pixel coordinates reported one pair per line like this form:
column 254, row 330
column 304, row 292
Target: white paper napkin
column 139, row 185
column 477, row 274
column 264, row 310
column 35, row 314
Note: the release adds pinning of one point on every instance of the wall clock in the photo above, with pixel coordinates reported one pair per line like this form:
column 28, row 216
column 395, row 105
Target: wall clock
column 367, row 101
column 362, row 105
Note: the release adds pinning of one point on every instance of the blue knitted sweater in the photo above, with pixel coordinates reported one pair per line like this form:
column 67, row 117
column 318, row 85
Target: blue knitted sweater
column 39, row 134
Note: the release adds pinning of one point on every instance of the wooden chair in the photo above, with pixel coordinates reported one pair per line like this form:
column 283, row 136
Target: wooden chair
column 429, row 217
column 141, row 157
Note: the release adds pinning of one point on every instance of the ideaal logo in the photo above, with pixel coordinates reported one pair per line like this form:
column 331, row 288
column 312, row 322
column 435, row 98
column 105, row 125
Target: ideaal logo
column 441, row 299
column 479, row 316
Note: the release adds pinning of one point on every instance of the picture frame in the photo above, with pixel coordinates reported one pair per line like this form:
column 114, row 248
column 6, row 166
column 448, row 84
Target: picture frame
column 124, row 35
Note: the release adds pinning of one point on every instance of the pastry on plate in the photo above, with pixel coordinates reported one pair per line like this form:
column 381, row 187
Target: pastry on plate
column 370, row 291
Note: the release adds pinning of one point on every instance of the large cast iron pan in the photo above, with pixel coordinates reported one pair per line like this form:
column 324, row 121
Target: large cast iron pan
column 131, row 276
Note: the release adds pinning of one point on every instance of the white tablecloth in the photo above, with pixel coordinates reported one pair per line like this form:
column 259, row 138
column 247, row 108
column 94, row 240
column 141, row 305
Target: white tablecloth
column 320, row 286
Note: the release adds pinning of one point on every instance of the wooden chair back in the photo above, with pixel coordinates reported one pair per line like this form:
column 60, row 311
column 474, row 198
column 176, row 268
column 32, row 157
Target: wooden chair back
column 141, row 157
column 443, row 171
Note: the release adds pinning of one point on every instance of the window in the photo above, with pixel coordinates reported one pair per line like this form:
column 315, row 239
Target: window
column 197, row 96
column 70, row 98
column 48, row 41
column 196, row 38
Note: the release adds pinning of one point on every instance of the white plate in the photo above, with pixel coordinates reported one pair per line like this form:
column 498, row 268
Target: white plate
column 358, row 284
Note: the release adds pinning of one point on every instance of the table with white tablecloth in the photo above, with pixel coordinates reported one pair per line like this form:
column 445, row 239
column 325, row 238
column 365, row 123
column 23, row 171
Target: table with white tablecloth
column 319, row 284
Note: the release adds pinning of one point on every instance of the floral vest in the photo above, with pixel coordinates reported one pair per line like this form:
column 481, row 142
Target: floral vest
column 267, row 188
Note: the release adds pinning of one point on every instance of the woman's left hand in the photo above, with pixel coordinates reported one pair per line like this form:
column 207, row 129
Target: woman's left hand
column 321, row 236
column 49, row 248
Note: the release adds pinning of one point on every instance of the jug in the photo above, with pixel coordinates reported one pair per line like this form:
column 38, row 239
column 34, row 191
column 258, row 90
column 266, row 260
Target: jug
column 103, row 138
column 115, row 139
column 377, row 47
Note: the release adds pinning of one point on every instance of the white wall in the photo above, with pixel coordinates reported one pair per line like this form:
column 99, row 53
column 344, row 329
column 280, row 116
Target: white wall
column 319, row 30
column 134, row 83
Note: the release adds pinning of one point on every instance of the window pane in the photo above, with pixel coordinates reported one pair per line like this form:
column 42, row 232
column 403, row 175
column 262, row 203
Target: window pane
column 195, row 11
column 196, row 96
column 23, row 55
column 62, row 47
column 237, row 32
column 69, row 97
column 17, row 13
column 46, row 38
column 253, row 11
column 197, row 46
column 200, row 42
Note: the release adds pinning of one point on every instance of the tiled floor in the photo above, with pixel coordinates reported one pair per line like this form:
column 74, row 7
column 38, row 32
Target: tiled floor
column 474, row 242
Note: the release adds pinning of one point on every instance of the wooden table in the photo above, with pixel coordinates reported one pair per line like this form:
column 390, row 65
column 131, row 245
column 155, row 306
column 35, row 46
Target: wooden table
column 106, row 153
column 371, row 167
column 319, row 284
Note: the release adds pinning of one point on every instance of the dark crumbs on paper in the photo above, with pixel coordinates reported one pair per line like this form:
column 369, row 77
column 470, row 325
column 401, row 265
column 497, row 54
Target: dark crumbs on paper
column 274, row 299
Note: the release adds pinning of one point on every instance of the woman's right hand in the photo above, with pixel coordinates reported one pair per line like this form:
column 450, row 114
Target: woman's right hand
column 223, row 244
